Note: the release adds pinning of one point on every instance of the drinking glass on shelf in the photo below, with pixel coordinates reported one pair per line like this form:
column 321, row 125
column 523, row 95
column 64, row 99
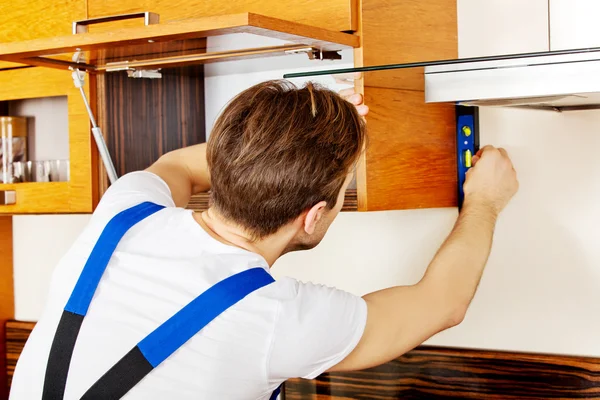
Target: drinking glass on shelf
column 22, row 171
column 59, row 170
column 41, row 171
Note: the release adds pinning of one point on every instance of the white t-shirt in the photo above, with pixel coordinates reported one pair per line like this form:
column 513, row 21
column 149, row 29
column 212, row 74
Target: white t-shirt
column 284, row 330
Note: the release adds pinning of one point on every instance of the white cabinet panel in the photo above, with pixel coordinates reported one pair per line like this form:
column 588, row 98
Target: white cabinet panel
column 492, row 27
column 574, row 24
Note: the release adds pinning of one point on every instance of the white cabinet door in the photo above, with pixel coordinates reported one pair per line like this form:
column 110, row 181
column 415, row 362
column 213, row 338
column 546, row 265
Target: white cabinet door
column 574, row 24
column 494, row 27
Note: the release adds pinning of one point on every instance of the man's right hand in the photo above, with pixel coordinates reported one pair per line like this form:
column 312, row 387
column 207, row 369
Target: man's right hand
column 492, row 181
column 402, row 317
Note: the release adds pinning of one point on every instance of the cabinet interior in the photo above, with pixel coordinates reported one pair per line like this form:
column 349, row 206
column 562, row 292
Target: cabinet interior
column 47, row 136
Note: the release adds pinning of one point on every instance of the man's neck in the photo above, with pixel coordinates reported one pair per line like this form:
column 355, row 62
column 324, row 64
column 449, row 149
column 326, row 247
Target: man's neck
column 270, row 248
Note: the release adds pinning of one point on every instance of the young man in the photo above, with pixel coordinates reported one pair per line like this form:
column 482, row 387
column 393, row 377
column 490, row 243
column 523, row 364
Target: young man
column 278, row 162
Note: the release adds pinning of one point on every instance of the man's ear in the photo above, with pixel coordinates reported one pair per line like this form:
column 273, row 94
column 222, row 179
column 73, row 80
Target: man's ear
column 313, row 216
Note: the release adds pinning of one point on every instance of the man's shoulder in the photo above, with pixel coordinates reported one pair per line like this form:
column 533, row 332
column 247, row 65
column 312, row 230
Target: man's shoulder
column 135, row 188
column 297, row 298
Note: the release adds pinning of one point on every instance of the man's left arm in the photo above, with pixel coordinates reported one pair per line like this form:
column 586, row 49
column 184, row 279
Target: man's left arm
column 185, row 171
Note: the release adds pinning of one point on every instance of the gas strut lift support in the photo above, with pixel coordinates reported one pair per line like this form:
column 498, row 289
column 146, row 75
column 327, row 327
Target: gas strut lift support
column 78, row 80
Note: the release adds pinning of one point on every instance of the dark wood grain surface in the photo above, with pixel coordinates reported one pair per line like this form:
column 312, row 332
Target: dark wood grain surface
column 437, row 373
column 17, row 333
column 200, row 202
column 430, row 373
column 146, row 118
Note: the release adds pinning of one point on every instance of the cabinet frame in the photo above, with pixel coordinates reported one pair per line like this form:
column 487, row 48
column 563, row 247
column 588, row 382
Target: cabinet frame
column 79, row 194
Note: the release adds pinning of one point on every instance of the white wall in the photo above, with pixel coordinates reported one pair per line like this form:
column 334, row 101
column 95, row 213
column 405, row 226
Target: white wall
column 48, row 126
column 39, row 242
column 541, row 289
column 574, row 24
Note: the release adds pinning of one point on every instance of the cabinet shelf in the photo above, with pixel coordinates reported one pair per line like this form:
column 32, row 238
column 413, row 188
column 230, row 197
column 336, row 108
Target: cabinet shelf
column 200, row 201
column 37, row 197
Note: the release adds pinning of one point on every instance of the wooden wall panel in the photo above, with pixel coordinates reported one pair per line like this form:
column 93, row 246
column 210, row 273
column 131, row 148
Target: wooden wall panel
column 145, row 118
column 33, row 19
column 17, row 333
column 436, row 373
column 430, row 373
column 7, row 301
column 331, row 14
column 410, row 161
column 411, row 154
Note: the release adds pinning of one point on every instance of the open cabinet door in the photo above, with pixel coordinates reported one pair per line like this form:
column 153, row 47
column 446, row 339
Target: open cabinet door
column 172, row 44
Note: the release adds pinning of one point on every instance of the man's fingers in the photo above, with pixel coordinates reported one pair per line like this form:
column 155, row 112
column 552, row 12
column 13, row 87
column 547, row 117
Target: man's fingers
column 483, row 150
column 362, row 109
column 351, row 96
column 348, row 78
column 346, row 92
column 505, row 155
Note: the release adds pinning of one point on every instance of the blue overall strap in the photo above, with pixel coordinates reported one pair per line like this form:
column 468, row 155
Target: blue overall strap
column 175, row 332
column 276, row 393
column 79, row 302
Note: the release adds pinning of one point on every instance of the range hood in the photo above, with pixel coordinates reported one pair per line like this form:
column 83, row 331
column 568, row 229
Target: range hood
column 559, row 80
column 555, row 80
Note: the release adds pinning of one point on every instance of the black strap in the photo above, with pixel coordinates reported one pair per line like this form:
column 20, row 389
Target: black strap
column 123, row 376
column 60, row 356
column 176, row 331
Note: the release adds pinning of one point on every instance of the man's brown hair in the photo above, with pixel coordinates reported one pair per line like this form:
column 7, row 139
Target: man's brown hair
column 277, row 150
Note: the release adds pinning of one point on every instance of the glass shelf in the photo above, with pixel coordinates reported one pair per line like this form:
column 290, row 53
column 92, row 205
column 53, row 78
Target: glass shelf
column 557, row 80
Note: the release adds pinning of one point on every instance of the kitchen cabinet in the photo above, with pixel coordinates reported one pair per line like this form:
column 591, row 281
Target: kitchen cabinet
column 179, row 50
column 410, row 161
column 574, row 24
column 78, row 194
column 500, row 26
column 336, row 15
column 160, row 45
column 31, row 19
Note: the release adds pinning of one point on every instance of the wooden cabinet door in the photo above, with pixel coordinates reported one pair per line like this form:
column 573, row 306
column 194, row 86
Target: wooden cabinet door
column 33, row 19
column 79, row 193
column 336, row 15
column 574, row 24
column 410, row 161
